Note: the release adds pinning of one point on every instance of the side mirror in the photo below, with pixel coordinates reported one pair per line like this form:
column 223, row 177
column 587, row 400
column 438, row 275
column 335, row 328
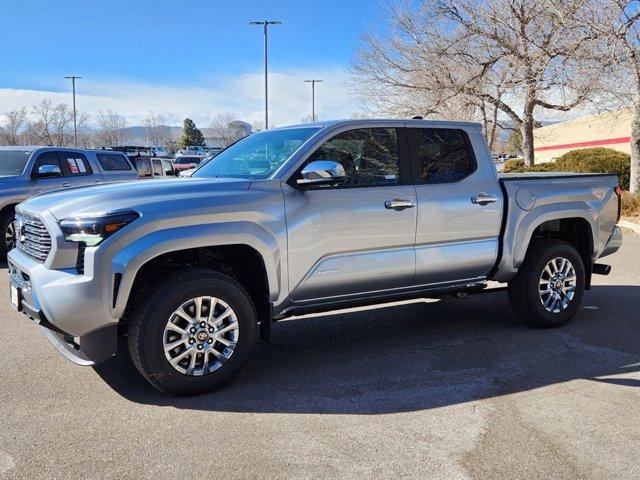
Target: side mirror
column 46, row 171
column 322, row 172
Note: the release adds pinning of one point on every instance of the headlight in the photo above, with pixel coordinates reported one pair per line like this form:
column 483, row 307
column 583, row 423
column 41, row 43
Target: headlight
column 93, row 230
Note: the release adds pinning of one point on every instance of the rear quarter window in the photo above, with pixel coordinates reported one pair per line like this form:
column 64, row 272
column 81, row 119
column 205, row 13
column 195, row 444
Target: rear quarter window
column 113, row 163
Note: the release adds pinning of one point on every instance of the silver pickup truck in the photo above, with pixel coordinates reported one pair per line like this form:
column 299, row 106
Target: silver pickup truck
column 28, row 171
column 298, row 220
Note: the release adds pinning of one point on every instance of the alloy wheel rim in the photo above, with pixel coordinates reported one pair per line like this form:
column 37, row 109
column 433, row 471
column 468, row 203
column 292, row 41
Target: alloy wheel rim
column 557, row 285
column 9, row 236
column 200, row 336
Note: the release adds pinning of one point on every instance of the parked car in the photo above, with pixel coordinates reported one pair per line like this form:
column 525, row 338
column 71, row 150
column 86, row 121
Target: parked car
column 359, row 213
column 192, row 150
column 28, row 171
column 190, row 171
column 159, row 152
column 186, row 162
column 153, row 167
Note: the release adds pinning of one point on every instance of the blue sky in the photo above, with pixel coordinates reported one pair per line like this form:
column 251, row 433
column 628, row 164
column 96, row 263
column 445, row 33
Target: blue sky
column 198, row 57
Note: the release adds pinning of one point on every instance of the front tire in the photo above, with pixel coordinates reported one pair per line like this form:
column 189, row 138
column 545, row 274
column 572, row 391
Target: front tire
column 7, row 241
column 192, row 332
column 548, row 288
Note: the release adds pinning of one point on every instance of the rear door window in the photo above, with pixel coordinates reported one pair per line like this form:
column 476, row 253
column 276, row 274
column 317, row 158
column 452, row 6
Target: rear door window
column 74, row 164
column 168, row 167
column 443, row 155
column 157, row 168
column 143, row 166
column 111, row 162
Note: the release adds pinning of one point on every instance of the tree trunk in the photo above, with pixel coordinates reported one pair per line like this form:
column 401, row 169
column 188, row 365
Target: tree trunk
column 634, row 180
column 527, row 138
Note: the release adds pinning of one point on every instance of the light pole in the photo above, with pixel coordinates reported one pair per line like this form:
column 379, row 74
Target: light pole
column 75, row 123
column 265, row 24
column 313, row 97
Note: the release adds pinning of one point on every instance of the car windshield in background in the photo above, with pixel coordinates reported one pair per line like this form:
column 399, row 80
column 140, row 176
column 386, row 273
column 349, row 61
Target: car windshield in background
column 258, row 155
column 12, row 162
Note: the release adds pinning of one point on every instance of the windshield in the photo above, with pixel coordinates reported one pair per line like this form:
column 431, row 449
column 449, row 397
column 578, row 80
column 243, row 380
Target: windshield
column 12, row 162
column 256, row 156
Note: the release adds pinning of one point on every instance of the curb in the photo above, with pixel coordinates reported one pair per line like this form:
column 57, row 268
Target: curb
column 630, row 225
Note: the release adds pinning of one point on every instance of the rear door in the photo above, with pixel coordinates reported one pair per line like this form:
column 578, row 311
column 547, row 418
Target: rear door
column 459, row 205
column 347, row 240
column 77, row 169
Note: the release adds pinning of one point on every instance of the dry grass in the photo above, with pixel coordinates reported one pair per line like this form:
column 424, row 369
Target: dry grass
column 631, row 206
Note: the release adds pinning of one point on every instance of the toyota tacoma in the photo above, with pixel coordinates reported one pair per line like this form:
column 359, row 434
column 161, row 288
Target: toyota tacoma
column 298, row 220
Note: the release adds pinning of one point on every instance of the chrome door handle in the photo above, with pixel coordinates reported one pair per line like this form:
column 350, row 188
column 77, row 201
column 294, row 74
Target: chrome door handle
column 398, row 204
column 483, row 199
column 66, row 184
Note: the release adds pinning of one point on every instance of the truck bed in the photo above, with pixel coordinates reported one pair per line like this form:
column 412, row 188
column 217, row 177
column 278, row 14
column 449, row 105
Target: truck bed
column 533, row 198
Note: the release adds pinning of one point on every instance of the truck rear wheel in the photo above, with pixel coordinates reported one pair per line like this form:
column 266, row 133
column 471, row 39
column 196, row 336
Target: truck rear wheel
column 548, row 288
column 193, row 332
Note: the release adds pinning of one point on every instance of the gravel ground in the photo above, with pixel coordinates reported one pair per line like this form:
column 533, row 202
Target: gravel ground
column 448, row 389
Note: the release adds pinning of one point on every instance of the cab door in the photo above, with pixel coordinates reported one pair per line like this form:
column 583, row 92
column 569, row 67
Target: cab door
column 348, row 239
column 77, row 169
column 459, row 205
column 47, row 173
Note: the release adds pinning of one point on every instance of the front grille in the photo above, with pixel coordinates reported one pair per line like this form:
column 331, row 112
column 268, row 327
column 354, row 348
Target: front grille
column 32, row 236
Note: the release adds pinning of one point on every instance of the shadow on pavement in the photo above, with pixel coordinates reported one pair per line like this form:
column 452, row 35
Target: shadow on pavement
column 416, row 357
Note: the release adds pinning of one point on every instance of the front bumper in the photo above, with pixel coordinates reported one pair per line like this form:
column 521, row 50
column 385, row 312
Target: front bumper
column 69, row 308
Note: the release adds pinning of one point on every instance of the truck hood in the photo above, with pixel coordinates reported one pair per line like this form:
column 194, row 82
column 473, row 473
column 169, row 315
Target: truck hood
column 143, row 196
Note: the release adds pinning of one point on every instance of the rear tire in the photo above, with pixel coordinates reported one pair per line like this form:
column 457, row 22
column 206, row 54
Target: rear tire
column 209, row 352
column 548, row 288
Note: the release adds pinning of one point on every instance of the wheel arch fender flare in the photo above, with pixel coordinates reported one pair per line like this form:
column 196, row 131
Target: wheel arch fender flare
column 518, row 235
column 128, row 261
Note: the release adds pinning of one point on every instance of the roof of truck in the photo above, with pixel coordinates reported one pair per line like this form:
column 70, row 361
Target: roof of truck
column 410, row 122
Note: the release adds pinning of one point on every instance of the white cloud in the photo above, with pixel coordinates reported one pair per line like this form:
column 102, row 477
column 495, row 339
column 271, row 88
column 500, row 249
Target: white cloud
column 289, row 98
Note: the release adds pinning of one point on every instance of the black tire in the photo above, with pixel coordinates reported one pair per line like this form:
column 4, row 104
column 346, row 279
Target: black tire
column 524, row 288
column 150, row 316
column 5, row 221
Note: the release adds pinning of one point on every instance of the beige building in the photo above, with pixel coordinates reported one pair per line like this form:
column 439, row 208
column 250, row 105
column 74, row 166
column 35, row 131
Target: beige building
column 610, row 130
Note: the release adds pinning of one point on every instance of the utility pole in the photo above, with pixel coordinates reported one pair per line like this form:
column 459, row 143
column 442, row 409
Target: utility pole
column 265, row 24
column 75, row 122
column 313, row 97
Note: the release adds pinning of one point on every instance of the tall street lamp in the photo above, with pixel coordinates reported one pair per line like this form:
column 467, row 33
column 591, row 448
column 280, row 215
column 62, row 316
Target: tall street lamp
column 313, row 97
column 265, row 24
column 75, row 123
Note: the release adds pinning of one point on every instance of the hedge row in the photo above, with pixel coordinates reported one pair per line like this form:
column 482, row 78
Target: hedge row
column 587, row 160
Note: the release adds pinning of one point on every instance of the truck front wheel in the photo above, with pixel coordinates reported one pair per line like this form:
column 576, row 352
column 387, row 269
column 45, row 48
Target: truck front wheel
column 192, row 332
column 548, row 288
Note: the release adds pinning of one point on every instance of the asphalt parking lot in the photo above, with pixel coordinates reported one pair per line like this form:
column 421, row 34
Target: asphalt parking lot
column 451, row 389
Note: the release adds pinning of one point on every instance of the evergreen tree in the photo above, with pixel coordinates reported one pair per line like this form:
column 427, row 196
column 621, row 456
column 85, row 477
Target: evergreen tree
column 191, row 136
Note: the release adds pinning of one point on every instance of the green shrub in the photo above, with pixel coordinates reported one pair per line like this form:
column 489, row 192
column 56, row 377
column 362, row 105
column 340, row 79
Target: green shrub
column 513, row 166
column 596, row 160
column 543, row 167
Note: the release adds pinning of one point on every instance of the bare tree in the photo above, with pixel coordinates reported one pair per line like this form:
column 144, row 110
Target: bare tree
column 481, row 58
column 619, row 63
column 110, row 128
column 14, row 121
column 225, row 129
column 50, row 124
column 157, row 130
